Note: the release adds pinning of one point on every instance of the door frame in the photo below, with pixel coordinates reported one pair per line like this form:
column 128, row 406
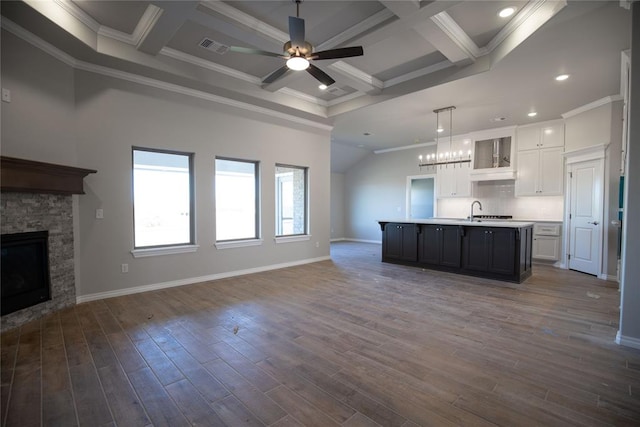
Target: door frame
column 595, row 152
column 408, row 192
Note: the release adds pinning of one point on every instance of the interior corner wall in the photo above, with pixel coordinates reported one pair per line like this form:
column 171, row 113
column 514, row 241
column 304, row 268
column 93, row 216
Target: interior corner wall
column 629, row 332
column 337, row 205
column 104, row 117
column 375, row 188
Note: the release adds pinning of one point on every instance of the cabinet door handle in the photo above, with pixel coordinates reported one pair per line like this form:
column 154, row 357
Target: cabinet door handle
column 594, row 223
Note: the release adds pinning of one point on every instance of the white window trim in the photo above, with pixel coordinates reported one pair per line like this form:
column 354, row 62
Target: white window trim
column 238, row 243
column 167, row 250
column 296, row 238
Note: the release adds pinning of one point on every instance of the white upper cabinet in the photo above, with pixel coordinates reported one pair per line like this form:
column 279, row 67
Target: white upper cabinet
column 540, row 159
column 452, row 180
column 540, row 135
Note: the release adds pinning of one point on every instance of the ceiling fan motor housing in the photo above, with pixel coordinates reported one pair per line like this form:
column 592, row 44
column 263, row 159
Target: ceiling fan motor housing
column 303, row 50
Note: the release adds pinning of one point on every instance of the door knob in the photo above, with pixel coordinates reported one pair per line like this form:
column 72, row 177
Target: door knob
column 594, row 223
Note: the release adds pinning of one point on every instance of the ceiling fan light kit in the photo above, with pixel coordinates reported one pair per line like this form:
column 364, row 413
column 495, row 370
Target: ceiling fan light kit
column 298, row 53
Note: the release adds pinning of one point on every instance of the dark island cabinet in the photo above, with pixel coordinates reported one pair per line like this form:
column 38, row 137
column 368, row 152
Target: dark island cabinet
column 439, row 245
column 496, row 252
column 399, row 242
column 492, row 250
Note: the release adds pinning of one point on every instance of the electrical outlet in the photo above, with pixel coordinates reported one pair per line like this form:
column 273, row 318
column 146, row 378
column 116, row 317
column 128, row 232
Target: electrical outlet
column 99, row 213
column 317, row 244
column 125, row 268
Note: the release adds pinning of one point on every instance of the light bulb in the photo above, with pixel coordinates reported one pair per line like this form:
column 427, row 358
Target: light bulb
column 297, row 63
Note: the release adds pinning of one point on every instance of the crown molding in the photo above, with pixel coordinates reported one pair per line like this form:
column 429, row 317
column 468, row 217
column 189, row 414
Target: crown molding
column 590, row 106
column 79, row 14
column 418, row 73
column 246, row 20
column 405, row 147
column 146, row 81
column 209, row 65
column 304, row 96
column 345, row 98
column 36, row 41
column 451, row 28
column 146, row 23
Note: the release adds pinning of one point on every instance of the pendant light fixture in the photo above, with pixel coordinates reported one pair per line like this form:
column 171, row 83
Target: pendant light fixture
column 448, row 157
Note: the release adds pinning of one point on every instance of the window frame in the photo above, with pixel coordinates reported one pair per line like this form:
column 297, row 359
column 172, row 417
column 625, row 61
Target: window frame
column 244, row 241
column 305, row 235
column 169, row 248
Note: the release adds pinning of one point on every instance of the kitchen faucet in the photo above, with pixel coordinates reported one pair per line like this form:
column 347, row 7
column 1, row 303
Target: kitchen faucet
column 472, row 204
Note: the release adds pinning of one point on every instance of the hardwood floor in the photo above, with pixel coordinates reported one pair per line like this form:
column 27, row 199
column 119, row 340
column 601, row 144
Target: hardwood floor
column 351, row 342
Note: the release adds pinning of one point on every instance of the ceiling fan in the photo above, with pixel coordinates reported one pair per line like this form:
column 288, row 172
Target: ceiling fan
column 299, row 53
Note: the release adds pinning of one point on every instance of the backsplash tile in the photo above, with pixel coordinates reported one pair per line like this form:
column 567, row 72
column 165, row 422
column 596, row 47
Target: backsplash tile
column 498, row 198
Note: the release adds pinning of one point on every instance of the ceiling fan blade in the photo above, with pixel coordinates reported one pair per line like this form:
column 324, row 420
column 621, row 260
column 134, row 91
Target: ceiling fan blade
column 276, row 75
column 296, row 31
column 320, row 75
column 344, row 52
column 252, row 51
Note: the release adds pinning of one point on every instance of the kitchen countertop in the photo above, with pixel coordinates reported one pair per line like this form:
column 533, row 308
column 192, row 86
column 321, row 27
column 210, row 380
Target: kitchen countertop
column 460, row 221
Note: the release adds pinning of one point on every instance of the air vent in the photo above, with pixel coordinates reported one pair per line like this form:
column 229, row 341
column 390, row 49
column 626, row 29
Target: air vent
column 214, row 46
column 336, row 91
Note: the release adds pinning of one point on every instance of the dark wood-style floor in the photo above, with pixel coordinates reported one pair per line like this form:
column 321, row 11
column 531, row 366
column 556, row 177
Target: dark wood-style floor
column 351, row 342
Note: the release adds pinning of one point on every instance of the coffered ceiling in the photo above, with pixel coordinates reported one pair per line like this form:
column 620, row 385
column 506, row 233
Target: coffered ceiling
column 418, row 56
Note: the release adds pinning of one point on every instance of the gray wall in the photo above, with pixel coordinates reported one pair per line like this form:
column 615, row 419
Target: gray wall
column 375, row 188
column 337, row 205
column 630, row 287
column 38, row 124
column 108, row 118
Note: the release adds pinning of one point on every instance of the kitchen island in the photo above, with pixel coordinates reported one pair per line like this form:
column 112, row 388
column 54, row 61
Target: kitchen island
column 494, row 249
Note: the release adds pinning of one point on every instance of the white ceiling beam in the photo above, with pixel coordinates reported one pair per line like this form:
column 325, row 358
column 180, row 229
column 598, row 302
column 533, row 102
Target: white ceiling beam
column 356, row 78
column 533, row 16
column 355, row 30
column 408, row 20
column 166, row 25
column 249, row 22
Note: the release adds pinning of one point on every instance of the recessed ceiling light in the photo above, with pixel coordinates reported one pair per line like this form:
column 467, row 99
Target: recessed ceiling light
column 562, row 77
column 440, row 130
column 322, row 87
column 532, row 114
column 366, row 134
column 506, row 12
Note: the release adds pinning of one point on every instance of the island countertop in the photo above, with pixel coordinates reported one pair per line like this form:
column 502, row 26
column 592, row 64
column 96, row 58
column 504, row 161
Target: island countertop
column 460, row 221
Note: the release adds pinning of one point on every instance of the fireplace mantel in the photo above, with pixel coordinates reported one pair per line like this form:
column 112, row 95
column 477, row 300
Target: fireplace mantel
column 28, row 176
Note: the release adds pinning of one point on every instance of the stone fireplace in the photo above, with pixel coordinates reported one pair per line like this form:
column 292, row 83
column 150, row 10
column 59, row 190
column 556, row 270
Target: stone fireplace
column 37, row 197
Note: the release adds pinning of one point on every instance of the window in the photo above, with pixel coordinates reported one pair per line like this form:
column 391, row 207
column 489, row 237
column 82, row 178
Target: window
column 162, row 198
column 291, row 200
column 237, row 199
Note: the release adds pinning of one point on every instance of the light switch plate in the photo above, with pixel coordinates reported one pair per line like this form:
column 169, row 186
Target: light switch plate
column 6, row 95
column 99, row 213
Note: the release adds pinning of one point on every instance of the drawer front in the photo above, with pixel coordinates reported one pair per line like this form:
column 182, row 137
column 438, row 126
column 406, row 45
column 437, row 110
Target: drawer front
column 546, row 229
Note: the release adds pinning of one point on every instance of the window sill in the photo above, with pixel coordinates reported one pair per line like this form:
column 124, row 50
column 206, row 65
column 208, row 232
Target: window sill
column 289, row 239
column 238, row 243
column 169, row 250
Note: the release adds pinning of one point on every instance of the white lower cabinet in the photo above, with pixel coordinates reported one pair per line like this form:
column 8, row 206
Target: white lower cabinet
column 547, row 241
column 540, row 172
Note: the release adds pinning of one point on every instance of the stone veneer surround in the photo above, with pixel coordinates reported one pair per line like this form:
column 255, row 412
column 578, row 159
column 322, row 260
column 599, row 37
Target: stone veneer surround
column 23, row 212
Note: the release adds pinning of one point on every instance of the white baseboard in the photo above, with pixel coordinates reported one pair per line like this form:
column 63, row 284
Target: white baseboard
column 338, row 239
column 610, row 277
column 192, row 280
column 627, row 341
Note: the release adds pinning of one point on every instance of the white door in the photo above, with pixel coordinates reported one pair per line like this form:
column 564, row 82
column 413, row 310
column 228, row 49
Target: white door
column 586, row 211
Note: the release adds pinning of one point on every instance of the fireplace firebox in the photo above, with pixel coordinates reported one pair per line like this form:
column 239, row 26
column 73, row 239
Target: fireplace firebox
column 25, row 270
